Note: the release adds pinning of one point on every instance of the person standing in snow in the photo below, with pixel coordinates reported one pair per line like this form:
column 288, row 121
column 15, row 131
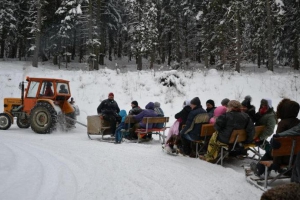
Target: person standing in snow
column 108, row 110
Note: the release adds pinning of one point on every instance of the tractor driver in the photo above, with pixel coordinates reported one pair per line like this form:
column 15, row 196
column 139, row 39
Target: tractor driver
column 63, row 89
column 48, row 91
column 108, row 110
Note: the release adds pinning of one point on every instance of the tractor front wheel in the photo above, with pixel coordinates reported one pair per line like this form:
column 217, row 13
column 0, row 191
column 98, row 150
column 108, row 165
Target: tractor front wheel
column 43, row 118
column 5, row 121
column 23, row 123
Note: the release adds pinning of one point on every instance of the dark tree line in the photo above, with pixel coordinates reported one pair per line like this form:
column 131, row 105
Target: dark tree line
column 173, row 32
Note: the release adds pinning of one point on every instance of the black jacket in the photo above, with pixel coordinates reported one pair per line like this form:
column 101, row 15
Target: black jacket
column 135, row 110
column 183, row 115
column 195, row 133
column 233, row 120
column 108, row 107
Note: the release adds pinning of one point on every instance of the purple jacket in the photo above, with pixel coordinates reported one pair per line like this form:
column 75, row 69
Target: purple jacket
column 148, row 112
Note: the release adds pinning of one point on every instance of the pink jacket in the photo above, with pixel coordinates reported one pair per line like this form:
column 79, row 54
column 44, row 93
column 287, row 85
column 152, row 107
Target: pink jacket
column 217, row 112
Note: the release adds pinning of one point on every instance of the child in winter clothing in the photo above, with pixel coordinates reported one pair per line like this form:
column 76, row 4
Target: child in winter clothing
column 121, row 126
column 220, row 110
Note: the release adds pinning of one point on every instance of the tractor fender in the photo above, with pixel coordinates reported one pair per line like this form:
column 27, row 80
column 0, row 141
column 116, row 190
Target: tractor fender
column 51, row 102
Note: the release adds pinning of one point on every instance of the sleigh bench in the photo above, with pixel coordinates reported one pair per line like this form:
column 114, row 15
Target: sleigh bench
column 290, row 146
column 252, row 146
column 206, row 132
column 153, row 120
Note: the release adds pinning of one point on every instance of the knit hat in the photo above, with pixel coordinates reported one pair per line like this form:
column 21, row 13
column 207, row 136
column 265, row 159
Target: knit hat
column 224, row 102
column 247, row 101
column 234, row 104
column 196, row 101
column 156, row 105
column 135, row 103
column 186, row 103
column 211, row 102
column 266, row 102
column 111, row 94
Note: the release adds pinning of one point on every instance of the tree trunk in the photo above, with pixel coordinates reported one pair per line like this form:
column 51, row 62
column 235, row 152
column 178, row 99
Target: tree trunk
column 90, row 32
column 74, row 45
column 269, row 39
column 258, row 57
column 169, row 48
column 139, row 62
column 296, row 54
column 37, row 35
column 238, row 43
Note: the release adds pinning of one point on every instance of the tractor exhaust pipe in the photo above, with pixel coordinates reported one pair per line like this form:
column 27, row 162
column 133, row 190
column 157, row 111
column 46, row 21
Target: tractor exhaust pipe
column 22, row 92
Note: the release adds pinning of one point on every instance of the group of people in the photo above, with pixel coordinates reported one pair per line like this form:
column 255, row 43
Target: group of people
column 230, row 115
column 110, row 111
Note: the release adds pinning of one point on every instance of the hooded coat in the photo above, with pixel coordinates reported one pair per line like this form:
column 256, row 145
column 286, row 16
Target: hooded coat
column 287, row 111
column 195, row 132
column 148, row 112
column 183, row 115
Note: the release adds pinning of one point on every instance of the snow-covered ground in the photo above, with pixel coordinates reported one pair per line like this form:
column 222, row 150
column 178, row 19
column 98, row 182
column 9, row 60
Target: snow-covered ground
column 70, row 166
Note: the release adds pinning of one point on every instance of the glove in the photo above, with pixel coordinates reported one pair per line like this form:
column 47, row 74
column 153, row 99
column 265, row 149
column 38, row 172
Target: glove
column 258, row 142
column 101, row 117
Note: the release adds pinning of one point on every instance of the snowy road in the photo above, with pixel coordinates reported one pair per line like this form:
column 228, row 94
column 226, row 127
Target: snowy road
column 70, row 166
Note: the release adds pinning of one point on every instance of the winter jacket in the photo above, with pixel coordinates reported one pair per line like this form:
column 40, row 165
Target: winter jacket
column 159, row 111
column 183, row 115
column 195, row 132
column 123, row 114
column 251, row 113
column 268, row 120
column 135, row 110
column 210, row 111
column 148, row 112
column 108, row 107
column 287, row 111
column 233, row 120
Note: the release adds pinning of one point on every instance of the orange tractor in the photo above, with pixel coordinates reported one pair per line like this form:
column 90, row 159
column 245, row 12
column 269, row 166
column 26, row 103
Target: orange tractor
column 43, row 106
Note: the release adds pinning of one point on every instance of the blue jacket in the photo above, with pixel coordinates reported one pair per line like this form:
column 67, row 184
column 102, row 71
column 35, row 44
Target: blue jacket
column 148, row 112
column 123, row 114
column 195, row 133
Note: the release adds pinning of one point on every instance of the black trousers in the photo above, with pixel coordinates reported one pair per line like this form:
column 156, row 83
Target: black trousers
column 112, row 121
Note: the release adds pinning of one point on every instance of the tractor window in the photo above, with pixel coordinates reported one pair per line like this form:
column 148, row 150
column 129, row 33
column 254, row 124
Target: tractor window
column 34, row 86
column 47, row 89
column 62, row 88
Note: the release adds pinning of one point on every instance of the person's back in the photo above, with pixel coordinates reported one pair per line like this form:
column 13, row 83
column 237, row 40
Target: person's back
column 233, row 120
column 48, row 91
column 148, row 112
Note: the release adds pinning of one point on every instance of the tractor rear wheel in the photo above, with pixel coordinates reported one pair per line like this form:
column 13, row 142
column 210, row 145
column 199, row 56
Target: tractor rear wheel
column 5, row 121
column 43, row 118
column 23, row 123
